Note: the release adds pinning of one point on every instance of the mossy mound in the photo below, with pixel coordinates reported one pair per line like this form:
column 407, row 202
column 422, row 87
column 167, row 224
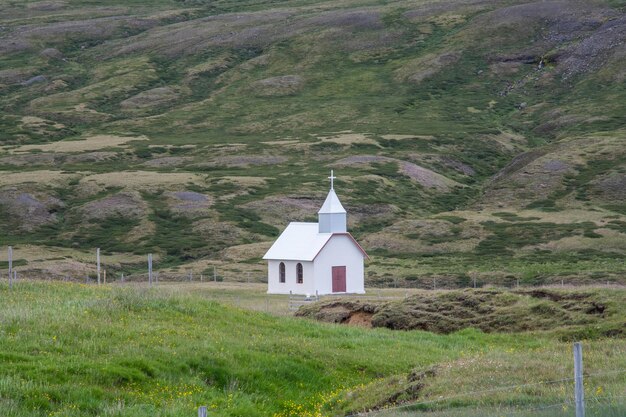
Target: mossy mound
column 582, row 313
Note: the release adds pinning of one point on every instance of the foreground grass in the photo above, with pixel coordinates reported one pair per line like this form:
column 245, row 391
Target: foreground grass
column 76, row 350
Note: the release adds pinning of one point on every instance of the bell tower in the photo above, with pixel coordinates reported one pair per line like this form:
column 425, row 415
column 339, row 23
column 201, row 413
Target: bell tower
column 332, row 216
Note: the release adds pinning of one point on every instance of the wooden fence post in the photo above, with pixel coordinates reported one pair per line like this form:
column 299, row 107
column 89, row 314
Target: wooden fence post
column 579, row 389
column 10, row 267
column 150, row 269
column 98, row 264
column 202, row 411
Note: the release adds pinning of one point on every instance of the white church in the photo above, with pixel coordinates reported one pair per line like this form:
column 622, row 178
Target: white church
column 317, row 258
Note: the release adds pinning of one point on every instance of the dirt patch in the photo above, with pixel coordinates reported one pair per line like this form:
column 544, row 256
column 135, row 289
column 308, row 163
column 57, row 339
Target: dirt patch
column 339, row 311
column 137, row 180
column 32, row 122
column 91, row 143
column 360, row 319
column 282, row 142
column 349, row 139
column 402, row 137
column 40, row 177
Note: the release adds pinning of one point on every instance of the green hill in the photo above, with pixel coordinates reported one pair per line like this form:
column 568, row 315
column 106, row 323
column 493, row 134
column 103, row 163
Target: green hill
column 471, row 139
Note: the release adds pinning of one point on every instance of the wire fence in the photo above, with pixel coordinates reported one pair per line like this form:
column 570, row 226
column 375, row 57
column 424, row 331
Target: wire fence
column 480, row 403
column 609, row 406
column 219, row 271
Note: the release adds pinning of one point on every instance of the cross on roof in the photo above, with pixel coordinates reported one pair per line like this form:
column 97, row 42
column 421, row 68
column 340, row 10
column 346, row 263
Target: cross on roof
column 332, row 180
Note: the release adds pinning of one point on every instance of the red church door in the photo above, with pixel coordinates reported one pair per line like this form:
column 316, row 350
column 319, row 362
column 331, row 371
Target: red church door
column 339, row 279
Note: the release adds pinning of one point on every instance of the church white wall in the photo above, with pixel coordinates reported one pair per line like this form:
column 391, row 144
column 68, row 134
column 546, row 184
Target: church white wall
column 340, row 251
column 274, row 286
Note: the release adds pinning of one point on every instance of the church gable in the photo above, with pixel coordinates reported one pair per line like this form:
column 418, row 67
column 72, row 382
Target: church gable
column 350, row 242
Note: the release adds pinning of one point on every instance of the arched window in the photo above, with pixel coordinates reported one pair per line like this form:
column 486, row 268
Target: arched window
column 281, row 272
column 299, row 274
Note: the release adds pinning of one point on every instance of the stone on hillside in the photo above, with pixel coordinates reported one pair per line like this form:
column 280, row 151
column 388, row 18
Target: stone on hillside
column 34, row 80
column 51, row 53
column 283, row 85
column 151, row 98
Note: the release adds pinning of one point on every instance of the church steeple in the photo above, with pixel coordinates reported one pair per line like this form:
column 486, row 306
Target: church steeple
column 332, row 215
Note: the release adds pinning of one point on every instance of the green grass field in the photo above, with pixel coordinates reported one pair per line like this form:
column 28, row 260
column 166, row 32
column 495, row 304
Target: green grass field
column 78, row 350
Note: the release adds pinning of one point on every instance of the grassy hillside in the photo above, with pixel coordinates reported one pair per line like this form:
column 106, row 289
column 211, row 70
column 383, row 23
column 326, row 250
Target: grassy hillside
column 480, row 138
column 75, row 350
